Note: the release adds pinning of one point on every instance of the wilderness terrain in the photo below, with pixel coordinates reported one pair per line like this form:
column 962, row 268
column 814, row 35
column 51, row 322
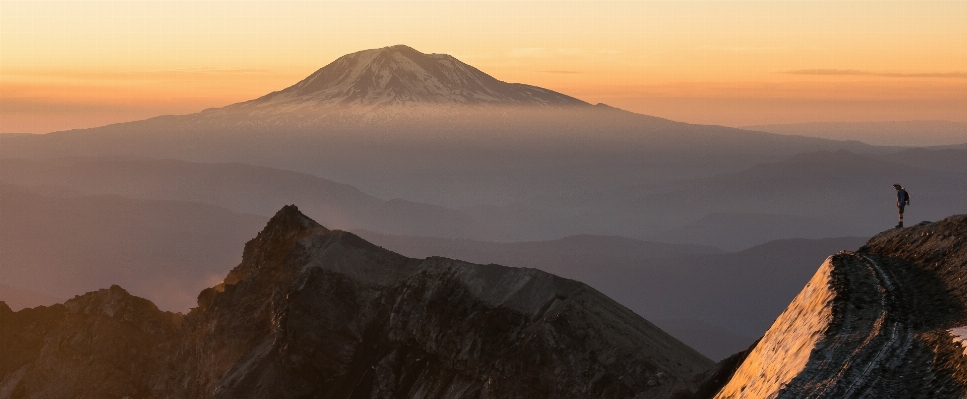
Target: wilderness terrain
column 312, row 312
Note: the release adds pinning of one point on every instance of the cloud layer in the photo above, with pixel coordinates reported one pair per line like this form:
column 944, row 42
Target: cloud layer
column 855, row 72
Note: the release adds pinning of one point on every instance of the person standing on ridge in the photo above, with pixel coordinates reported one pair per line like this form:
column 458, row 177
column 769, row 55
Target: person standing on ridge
column 902, row 200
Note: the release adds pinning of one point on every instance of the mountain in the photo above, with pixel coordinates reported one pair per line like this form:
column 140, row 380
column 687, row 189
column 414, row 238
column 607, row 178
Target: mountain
column 826, row 194
column 892, row 133
column 427, row 128
column 949, row 159
column 578, row 249
column 717, row 303
column 885, row 321
column 56, row 245
column 401, row 76
column 312, row 312
column 240, row 188
column 735, row 231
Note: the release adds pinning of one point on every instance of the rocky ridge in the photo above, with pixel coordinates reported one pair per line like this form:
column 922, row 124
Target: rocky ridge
column 876, row 323
column 317, row 313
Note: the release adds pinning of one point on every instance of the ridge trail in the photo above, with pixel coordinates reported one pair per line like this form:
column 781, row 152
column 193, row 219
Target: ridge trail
column 854, row 332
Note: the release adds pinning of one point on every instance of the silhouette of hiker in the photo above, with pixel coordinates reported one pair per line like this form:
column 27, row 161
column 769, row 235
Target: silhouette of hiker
column 902, row 200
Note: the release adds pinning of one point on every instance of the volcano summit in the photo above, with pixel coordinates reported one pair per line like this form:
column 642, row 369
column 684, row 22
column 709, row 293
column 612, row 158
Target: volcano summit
column 399, row 75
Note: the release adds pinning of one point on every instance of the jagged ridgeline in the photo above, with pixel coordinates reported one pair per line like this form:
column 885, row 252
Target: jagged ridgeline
column 887, row 321
column 315, row 313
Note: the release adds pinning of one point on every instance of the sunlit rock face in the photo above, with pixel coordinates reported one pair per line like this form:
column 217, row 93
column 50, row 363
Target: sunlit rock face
column 317, row 313
column 882, row 322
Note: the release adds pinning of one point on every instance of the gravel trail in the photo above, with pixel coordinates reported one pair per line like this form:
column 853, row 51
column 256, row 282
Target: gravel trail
column 872, row 326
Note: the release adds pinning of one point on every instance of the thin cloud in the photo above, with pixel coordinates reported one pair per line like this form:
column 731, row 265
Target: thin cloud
column 856, row 72
column 85, row 74
column 744, row 49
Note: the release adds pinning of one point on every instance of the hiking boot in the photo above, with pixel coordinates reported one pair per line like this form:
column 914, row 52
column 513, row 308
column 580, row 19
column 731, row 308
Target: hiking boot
column 899, row 225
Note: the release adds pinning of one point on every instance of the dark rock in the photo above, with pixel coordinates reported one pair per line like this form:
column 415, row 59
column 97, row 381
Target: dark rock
column 317, row 313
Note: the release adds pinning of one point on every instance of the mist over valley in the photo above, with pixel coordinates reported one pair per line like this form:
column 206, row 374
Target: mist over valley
column 401, row 224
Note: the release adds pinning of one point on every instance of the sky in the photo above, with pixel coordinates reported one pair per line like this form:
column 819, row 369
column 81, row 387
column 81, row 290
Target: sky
column 76, row 64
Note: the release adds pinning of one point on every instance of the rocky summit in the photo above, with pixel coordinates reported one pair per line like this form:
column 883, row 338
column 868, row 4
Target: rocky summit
column 315, row 313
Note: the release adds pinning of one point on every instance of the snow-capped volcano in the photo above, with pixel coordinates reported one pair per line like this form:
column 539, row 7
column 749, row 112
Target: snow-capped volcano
column 399, row 75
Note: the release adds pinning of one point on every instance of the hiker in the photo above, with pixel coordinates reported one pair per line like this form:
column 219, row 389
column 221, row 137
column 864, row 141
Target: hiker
column 902, row 200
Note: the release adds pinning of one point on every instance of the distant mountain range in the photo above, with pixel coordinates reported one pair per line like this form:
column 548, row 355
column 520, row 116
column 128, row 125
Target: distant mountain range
column 240, row 188
column 896, row 133
column 811, row 195
column 499, row 161
column 313, row 312
column 397, row 123
column 396, row 143
column 55, row 244
column 715, row 302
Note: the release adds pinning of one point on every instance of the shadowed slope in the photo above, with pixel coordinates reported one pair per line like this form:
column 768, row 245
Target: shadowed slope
column 895, row 133
column 810, row 195
column 683, row 289
column 240, row 188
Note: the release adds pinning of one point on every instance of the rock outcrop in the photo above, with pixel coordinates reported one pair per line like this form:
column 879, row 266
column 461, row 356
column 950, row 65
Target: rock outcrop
column 317, row 313
column 876, row 323
column 104, row 344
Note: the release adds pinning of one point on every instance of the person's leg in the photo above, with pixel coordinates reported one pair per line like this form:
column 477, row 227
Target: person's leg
column 900, row 209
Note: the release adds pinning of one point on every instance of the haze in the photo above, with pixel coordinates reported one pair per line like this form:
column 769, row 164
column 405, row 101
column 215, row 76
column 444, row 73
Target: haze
column 81, row 64
column 552, row 136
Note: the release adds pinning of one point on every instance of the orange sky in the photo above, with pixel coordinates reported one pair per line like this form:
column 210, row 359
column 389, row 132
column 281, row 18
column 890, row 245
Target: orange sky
column 79, row 64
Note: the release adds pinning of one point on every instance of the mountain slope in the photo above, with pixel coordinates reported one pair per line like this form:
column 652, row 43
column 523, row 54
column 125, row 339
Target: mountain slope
column 829, row 193
column 167, row 251
column 240, row 188
column 893, row 133
column 685, row 290
column 317, row 313
column 103, row 344
column 738, row 230
column 951, row 159
column 879, row 322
